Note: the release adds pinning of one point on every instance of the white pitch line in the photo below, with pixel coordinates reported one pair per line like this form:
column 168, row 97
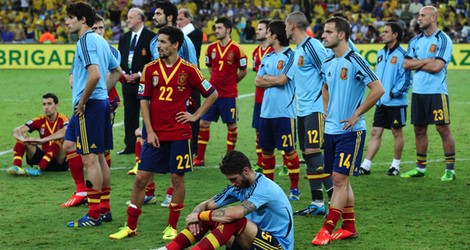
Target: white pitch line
column 216, row 166
column 119, row 124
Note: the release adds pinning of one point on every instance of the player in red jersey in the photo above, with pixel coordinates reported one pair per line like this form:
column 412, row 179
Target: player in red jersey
column 258, row 53
column 50, row 157
column 227, row 65
column 165, row 87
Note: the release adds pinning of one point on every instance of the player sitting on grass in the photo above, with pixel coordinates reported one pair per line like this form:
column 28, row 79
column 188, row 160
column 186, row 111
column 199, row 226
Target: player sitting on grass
column 50, row 157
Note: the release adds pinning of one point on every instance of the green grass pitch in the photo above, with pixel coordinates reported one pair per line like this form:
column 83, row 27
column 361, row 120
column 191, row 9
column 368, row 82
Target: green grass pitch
column 391, row 213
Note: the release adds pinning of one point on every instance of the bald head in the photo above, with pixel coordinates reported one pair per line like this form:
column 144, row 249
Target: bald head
column 427, row 19
column 298, row 19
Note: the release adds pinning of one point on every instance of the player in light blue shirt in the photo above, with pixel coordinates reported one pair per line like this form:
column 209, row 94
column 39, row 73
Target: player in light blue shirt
column 309, row 56
column 429, row 54
column 261, row 220
column 165, row 15
column 390, row 110
column 346, row 76
column 90, row 126
column 277, row 119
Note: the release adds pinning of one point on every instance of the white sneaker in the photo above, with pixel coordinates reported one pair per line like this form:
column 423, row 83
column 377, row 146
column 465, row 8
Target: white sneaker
column 166, row 202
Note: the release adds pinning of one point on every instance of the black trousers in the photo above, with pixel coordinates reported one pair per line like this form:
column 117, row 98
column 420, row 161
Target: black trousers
column 131, row 114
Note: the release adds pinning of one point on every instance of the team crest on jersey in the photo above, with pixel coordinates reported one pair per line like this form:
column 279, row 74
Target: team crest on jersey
column 379, row 59
column 344, row 74
column 155, row 81
column 182, row 79
column 213, row 54
column 141, row 89
column 301, row 61
column 433, row 48
column 144, row 52
column 42, row 130
column 280, row 65
column 394, row 60
column 230, row 57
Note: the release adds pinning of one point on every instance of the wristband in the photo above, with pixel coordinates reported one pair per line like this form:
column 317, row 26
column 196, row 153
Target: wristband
column 205, row 216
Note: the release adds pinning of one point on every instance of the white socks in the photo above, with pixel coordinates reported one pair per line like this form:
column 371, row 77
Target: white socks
column 366, row 164
column 396, row 164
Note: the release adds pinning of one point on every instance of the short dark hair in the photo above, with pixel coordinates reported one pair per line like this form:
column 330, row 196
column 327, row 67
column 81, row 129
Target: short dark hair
column 82, row 10
column 265, row 22
column 234, row 162
column 174, row 34
column 169, row 9
column 99, row 18
column 51, row 95
column 342, row 25
column 226, row 22
column 299, row 19
column 396, row 29
column 278, row 28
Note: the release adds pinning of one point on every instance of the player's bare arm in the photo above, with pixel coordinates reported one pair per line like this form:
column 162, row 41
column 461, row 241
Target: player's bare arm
column 20, row 133
column 262, row 83
column 279, row 80
column 145, row 111
column 376, row 91
column 241, row 74
column 113, row 77
column 185, row 117
column 433, row 65
column 58, row 135
column 414, row 63
column 326, row 98
column 92, row 82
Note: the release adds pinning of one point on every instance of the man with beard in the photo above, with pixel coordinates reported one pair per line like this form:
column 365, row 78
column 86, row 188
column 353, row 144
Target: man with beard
column 258, row 53
column 429, row 54
column 165, row 87
column 309, row 56
column 345, row 76
column 262, row 220
column 165, row 15
column 226, row 61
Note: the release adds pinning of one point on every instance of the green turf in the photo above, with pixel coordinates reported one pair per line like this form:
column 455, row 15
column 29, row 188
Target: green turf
column 391, row 213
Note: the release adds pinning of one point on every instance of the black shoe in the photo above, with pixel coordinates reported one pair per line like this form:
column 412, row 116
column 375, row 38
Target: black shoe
column 363, row 171
column 392, row 172
column 125, row 152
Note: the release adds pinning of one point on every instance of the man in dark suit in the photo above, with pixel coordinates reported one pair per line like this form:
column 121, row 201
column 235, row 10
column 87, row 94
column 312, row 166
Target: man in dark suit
column 135, row 53
column 184, row 22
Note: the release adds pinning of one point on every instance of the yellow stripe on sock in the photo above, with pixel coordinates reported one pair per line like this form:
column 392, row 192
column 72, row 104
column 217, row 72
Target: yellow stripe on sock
column 189, row 236
column 213, row 240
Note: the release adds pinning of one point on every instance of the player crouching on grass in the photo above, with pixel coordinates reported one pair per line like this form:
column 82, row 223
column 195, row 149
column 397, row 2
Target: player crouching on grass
column 262, row 220
column 50, row 157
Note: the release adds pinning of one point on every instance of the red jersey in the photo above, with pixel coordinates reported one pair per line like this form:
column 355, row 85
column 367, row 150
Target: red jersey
column 224, row 63
column 168, row 89
column 258, row 55
column 46, row 128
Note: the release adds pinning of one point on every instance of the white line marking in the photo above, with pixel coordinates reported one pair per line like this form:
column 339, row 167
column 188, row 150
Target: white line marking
column 119, row 124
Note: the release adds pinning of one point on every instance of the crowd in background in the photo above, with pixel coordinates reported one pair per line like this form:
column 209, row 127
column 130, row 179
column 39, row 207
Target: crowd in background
column 43, row 21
